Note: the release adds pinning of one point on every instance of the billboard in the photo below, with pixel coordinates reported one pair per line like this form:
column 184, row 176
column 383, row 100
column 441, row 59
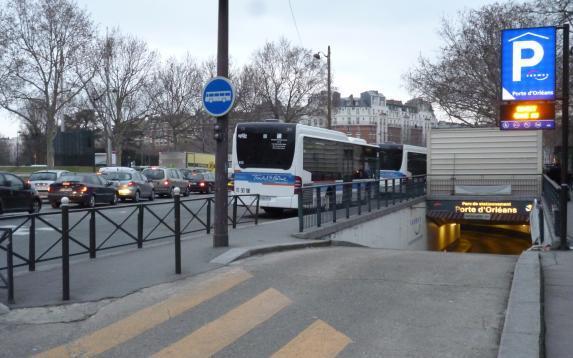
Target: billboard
column 528, row 64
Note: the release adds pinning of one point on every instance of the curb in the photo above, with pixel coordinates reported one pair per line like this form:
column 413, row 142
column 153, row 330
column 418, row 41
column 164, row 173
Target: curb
column 237, row 254
column 522, row 329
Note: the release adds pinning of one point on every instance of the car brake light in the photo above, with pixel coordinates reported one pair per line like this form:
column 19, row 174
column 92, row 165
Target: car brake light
column 66, row 183
column 201, row 184
column 131, row 183
column 166, row 183
column 50, row 189
column 84, row 189
column 297, row 185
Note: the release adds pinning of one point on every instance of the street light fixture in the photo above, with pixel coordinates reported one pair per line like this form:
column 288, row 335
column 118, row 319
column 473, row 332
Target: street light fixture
column 328, row 113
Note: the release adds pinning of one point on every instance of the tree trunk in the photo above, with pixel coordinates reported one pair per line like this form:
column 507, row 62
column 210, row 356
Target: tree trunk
column 50, row 136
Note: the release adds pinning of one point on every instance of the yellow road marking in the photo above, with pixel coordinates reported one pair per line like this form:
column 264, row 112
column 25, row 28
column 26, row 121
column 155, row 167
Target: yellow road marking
column 223, row 331
column 316, row 341
column 147, row 318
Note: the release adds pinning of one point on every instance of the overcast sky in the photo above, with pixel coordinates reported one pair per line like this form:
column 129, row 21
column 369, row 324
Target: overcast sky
column 373, row 42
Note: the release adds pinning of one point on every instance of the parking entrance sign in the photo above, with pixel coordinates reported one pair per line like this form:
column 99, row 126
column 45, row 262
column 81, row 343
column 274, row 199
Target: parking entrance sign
column 528, row 64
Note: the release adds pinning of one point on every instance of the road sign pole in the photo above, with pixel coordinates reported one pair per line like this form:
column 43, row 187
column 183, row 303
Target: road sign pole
column 565, row 140
column 221, row 233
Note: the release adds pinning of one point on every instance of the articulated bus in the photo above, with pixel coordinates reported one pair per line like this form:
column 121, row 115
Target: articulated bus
column 401, row 161
column 275, row 160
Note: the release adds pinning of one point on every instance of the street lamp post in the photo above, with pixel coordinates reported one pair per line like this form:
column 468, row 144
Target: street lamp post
column 328, row 100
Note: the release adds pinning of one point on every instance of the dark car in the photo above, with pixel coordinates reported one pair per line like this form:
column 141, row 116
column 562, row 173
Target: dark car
column 131, row 185
column 165, row 180
column 84, row 189
column 17, row 195
column 201, row 183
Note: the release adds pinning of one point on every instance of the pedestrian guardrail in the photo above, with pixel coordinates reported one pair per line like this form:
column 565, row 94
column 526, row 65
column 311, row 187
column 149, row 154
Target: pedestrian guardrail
column 8, row 280
column 551, row 197
column 38, row 237
column 321, row 204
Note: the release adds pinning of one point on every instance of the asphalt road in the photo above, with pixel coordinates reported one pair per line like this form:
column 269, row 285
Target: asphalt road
column 313, row 303
column 492, row 242
column 193, row 220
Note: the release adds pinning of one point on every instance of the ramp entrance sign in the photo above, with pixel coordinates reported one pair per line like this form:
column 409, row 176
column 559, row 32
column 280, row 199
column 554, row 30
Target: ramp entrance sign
column 528, row 64
column 528, row 78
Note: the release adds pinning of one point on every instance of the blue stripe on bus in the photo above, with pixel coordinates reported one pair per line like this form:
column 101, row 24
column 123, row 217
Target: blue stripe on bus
column 391, row 174
column 265, row 178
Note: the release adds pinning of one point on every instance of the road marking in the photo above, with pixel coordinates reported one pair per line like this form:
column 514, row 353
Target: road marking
column 316, row 341
column 121, row 331
column 223, row 331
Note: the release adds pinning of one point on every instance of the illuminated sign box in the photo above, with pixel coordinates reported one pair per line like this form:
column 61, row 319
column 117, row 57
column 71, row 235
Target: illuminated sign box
column 527, row 115
column 528, row 64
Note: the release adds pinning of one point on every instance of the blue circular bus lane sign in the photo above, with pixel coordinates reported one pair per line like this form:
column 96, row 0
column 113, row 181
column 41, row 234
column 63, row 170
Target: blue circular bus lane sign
column 218, row 96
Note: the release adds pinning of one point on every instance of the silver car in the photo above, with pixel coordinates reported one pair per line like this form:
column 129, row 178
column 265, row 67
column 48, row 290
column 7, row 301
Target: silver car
column 42, row 179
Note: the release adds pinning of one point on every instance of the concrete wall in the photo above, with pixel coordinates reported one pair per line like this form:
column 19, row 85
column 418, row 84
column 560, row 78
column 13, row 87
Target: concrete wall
column 402, row 229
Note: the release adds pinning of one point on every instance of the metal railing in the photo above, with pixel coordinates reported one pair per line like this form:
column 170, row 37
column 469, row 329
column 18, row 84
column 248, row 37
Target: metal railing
column 551, row 196
column 8, row 280
column 38, row 237
column 521, row 186
column 320, row 204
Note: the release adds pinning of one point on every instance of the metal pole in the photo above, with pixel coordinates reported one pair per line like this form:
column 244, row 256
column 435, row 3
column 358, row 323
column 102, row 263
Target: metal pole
column 221, row 235
column 10, row 264
column 318, row 209
column 565, row 140
column 65, row 250
column 32, row 245
column 18, row 149
column 177, row 212
column 300, row 212
column 140, row 215
column 92, row 234
column 234, row 211
column 329, row 99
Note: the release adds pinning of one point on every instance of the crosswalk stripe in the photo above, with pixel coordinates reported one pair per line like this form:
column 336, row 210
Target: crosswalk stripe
column 223, row 331
column 147, row 318
column 317, row 340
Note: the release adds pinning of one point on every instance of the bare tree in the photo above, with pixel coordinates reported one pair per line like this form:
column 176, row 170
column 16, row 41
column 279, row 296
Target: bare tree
column 175, row 94
column 43, row 57
column 117, row 92
column 285, row 77
column 464, row 81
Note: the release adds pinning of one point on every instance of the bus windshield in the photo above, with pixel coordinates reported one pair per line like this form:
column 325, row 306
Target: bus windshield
column 265, row 145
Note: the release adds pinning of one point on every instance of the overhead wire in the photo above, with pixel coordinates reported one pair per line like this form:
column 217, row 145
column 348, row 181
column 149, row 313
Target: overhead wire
column 294, row 21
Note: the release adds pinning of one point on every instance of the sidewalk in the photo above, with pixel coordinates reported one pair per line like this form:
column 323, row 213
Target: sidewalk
column 116, row 274
column 557, row 267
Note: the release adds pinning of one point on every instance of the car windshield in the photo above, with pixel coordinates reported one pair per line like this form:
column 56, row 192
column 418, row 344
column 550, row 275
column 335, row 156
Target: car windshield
column 154, row 174
column 117, row 176
column 43, row 176
column 194, row 177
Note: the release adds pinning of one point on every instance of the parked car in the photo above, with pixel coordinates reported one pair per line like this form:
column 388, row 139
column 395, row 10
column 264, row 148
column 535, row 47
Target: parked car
column 85, row 189
column 165, row 180
column 42, row 179
column 201, row 183
column 130, row 184
column 17, row 195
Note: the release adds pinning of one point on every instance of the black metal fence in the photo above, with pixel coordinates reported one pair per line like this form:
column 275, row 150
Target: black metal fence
column 320, row 204
column 41, row 237
column 8, row 280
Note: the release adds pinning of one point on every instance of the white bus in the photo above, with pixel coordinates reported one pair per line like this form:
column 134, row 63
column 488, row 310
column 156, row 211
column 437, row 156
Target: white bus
column 401, row 161
column 275, row 160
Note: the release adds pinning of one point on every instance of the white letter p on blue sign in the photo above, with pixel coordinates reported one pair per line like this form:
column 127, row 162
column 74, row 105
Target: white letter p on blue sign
column 519, row 62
